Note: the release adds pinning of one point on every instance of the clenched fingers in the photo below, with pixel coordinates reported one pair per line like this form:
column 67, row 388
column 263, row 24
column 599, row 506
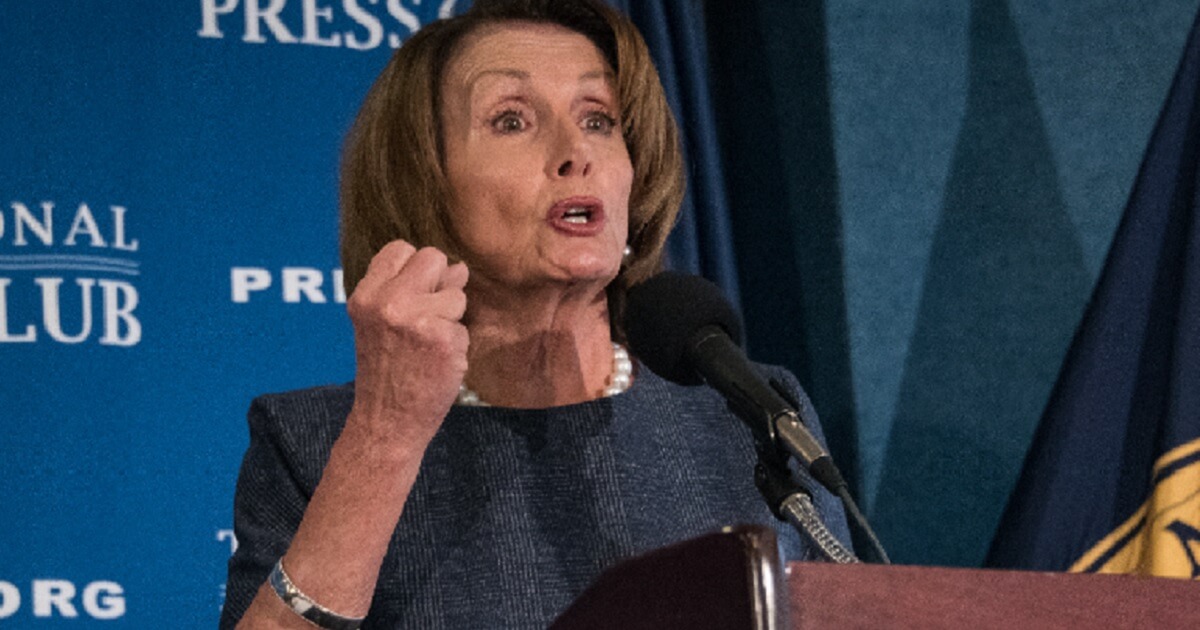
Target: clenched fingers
column 387, row 263
column 422, row 272
column 455, row 277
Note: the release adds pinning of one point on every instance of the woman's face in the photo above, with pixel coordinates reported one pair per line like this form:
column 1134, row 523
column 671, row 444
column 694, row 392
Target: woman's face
column 539, row 173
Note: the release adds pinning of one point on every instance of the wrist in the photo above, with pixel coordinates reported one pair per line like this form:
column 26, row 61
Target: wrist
column 390, row 432
column 306, row 607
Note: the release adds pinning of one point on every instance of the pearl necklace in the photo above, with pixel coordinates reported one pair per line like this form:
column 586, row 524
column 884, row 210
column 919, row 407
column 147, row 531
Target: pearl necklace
column 621, row 379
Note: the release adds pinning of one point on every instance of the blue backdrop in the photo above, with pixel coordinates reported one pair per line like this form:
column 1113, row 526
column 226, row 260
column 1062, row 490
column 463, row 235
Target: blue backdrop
column 915, row 202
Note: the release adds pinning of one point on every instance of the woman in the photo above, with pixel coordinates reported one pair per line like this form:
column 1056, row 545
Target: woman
column 511, row 172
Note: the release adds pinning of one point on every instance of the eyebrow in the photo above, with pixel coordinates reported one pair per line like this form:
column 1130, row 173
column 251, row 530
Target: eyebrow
column 522, row 75
column 506, row 72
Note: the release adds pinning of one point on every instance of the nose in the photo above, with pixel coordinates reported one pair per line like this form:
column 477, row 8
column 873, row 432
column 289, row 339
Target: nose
column 571, row 153
column 570, row 167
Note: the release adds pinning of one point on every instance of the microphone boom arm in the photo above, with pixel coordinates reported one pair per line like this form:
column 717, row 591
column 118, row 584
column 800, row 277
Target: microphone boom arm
column 772, row 417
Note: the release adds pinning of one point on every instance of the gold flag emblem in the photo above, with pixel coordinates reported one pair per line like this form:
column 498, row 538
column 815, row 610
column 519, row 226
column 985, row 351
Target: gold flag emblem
column 1163, row 537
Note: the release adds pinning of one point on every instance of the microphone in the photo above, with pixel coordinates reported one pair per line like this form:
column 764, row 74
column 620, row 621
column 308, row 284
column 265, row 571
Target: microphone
column 685, row 330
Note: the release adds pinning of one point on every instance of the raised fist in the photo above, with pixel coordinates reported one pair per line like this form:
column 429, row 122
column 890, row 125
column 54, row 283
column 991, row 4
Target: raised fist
column 410, row 343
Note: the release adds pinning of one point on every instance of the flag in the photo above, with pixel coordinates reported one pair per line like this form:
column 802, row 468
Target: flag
column 1111, row 483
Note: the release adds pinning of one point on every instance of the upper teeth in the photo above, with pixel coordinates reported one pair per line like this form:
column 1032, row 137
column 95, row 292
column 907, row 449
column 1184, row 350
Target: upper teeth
column 576, row 215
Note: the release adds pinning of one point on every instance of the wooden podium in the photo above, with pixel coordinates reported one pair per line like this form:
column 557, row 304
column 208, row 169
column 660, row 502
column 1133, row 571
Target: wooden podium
column 732, row 581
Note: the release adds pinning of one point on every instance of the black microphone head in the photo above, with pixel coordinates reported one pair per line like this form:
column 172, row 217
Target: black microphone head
column 664, row 313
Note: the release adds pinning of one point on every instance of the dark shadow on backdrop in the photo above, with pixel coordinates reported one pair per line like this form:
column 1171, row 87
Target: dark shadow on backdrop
column 1004, row 287
column 771, row 92
column 702, row 242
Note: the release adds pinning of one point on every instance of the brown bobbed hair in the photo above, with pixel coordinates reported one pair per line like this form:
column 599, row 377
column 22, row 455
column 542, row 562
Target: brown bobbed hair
column 393, row 179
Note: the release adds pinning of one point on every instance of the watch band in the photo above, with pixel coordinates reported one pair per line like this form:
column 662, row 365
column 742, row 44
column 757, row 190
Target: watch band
column 302, row 605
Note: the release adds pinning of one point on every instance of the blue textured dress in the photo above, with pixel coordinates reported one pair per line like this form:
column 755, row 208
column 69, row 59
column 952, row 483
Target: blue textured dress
column 515, row 511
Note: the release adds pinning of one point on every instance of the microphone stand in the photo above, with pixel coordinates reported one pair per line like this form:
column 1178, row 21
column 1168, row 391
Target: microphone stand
column 786, row 434
column 791, row 502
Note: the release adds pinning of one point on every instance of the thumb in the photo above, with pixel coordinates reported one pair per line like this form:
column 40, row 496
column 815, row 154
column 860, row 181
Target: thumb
column 454, row 277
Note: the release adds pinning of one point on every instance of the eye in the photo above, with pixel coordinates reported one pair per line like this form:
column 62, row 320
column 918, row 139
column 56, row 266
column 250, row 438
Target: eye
column 509, row 121
column 600, row 122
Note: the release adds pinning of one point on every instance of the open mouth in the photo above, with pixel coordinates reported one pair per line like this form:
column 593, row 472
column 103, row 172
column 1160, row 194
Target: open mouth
column 578, row 215
column 581, row 215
